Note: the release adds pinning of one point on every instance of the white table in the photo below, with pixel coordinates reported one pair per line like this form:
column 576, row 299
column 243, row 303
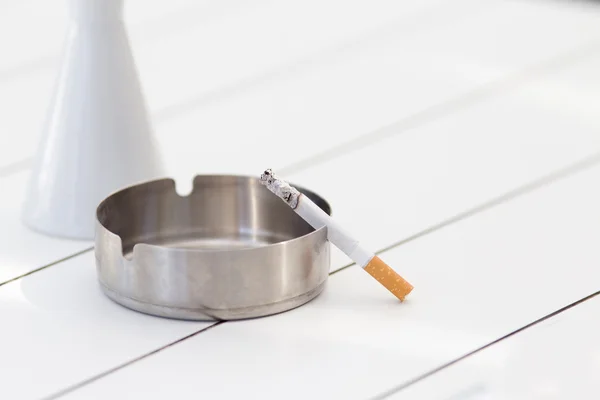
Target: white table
column 481, row 115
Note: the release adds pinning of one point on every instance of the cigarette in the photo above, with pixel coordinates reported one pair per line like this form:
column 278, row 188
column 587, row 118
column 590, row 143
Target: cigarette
column 317, row 218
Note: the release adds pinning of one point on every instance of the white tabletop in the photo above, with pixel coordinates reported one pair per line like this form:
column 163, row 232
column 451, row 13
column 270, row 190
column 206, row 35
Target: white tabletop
column 482, row 115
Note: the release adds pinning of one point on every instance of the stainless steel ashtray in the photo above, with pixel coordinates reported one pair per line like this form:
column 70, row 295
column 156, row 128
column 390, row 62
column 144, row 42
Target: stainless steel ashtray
column 229, row 250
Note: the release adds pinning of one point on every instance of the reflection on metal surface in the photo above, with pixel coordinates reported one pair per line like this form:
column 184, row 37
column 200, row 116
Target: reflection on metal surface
column 229, row 250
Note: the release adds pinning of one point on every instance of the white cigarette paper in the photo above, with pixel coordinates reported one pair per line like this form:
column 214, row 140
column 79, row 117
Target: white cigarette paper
column 318, row 218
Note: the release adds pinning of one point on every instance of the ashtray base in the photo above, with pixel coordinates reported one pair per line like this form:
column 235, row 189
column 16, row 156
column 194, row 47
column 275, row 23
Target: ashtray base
column 204, row 314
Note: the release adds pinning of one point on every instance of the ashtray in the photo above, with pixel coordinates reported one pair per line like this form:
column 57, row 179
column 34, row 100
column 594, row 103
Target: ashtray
column 228, row 250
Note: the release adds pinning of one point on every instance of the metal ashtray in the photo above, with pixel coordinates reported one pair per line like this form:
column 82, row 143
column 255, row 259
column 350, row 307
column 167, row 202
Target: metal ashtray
column 229, row 250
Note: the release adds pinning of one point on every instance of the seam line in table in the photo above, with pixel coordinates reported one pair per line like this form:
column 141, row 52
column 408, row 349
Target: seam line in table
column 354, row 43
column 570, row 170
column 16, row 278
column 445, row 108
column 566, row 172
column 121, row 366
column 471, row 353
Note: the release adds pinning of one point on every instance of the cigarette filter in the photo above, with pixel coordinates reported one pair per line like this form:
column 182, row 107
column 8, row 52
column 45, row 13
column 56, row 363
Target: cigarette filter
column 317, row 218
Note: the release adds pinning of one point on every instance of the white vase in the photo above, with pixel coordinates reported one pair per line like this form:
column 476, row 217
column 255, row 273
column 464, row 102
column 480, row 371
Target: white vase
column 97, row 138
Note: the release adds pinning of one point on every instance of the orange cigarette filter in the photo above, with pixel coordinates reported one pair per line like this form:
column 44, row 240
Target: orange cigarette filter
column 389, row 278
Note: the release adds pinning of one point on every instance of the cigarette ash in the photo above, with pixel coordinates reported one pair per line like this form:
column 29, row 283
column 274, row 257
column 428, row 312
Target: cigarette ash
column 280, row 188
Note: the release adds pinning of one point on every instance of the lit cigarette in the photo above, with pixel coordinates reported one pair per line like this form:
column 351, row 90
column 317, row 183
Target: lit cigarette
column 317, row 218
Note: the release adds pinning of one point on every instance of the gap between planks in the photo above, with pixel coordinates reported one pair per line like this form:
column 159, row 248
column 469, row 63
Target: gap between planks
column 411, row 382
